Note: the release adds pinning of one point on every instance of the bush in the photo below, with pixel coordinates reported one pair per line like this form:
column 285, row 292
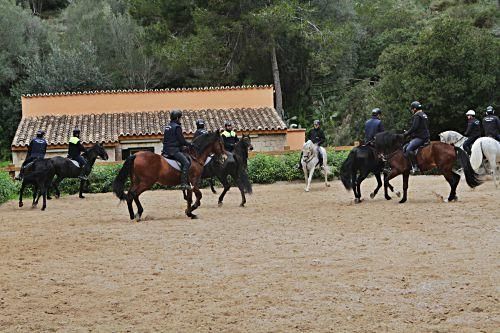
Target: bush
column 8, row 188
column 262, row 169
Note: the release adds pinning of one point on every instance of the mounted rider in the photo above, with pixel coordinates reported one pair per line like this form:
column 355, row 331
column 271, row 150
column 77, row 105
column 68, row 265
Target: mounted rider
column 473, row 131
column 418, row 133
column 200, row 128
column 229, row 136
column 491, row 124
column 173, row 142
column 373, row 126
column 76, row 147
column 317, row 136
column 36, row 151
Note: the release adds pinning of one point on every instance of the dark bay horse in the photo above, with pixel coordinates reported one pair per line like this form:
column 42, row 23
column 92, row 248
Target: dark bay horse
column 146, row 169
column 435, row 155
column 39, row 173
column 235, row 166
column 362, row 161
column 65, row 168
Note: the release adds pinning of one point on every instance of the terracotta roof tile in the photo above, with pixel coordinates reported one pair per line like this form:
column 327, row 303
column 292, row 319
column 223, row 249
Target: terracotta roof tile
column 108, row 128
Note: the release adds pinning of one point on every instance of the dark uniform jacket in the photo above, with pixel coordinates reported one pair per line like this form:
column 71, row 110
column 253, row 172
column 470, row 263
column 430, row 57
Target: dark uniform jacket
column 372, row 127
column 491, row 126
column 419, row 127
column 317, row 136
column 37, row 148
column 199, row 131
column 473, row 128
column 173, row 140
column 75, row 148
column 230, row 139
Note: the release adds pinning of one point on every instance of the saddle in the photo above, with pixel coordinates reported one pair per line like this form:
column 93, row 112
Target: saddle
column 177, row 165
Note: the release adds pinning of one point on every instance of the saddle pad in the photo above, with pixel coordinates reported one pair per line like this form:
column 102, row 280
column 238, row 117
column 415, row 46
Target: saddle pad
column 177, row 166
column 75, row 163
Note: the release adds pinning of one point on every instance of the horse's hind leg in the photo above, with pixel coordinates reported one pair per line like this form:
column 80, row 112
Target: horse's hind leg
column 242, row 192
column 406, row 177
column 43, row 191
column 212, row 185
column 129, row 198
column 453, row 179
column 140, row 210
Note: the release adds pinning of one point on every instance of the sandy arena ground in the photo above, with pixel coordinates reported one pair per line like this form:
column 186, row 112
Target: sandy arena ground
column 289, row 262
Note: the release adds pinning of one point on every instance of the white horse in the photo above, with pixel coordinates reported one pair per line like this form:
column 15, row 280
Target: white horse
column 310, row 160
column 490, row 148
column 452, row 138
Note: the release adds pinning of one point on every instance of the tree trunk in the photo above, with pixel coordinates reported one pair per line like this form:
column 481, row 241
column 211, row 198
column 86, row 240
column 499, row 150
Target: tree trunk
column 277, row 83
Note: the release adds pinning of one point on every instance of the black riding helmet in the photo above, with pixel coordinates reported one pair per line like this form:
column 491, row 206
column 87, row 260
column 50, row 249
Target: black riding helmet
column 317, row 122
column 490, row 110
column 76, row 132
column 175, row 115
column 200, row 123
column 376, row 111
column 40, row 133
column 416, row 105
column 228, row 123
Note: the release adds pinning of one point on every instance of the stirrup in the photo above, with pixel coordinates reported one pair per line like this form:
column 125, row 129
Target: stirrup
column 414, row 170
column 186, row 187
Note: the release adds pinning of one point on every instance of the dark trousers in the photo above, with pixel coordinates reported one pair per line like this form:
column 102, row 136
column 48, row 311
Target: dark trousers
column 468, row 144
column 183, row 160
column 413, row 145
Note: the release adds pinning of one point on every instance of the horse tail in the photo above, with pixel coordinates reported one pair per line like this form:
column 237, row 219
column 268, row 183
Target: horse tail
column 119, row 182
column 245, row 181
column 346, row 170
column 476, row 157
column 470, row 175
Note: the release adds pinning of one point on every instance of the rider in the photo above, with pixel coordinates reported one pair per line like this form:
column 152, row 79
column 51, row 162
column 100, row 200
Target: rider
column 473, row 131
column 229, row 136
column 491, row 124
column 200, row 128
column 74, row 149
column 173, row 141
column 373, row 126
column 36, row 151
column 418, row 133
column 317, row 136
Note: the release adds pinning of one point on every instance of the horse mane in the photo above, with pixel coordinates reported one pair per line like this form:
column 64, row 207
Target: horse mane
column 203, row 141
column 241, row 149
column 388, row 141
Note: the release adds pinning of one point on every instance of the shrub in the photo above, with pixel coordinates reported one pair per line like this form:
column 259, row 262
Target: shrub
column 8, row 188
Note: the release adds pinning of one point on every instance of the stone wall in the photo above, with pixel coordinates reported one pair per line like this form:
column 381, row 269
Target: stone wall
column 268, row 142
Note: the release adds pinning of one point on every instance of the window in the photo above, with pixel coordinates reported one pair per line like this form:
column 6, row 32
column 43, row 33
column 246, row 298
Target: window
column 131, row 151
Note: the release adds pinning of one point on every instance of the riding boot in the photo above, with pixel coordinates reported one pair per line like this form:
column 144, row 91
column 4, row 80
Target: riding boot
column 83, row 173
column 413, row 161
column 185, row 181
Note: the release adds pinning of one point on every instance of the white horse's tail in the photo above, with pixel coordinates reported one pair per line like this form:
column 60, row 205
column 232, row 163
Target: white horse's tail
column 476, row 157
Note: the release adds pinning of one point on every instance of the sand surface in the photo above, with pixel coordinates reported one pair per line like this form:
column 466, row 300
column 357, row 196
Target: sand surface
column 289, row 262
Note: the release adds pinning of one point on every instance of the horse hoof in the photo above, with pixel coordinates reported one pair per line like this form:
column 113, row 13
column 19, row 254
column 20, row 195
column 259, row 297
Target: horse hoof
column 398, row 194
column 58, row 196
column 327, row 185
column 372, row 195
column 242, row 205
column 219, row 204
column 137, row 218
column 49, row 198
column 194, row 217
column 21, row 204
column 306, row 189
column 43, row 208
column 388, row 198
column 81, row 197
column 402, row 201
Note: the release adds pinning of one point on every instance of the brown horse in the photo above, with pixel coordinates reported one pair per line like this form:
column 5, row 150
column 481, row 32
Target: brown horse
column 146, row 169
column 435, row 155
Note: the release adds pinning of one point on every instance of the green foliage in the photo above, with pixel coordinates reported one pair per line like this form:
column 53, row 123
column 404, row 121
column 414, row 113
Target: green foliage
column 8, row 188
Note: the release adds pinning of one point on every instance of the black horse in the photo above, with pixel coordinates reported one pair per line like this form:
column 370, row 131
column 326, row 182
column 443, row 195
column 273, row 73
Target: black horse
column 39, row 174
column 235, row 166
column 65, row 168
column 362, row 161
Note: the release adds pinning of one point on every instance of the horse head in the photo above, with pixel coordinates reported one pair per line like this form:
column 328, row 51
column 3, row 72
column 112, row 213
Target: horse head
column 247, row 141
column 308, row 150
column 96, row 151
column 209, row 143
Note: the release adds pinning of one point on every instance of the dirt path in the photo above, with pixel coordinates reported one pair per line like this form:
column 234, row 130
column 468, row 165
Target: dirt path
column 289, row 262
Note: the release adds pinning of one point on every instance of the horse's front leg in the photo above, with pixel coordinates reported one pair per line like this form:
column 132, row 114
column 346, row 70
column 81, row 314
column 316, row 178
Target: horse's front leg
column 406, row 176
column 80, row 195
column 189, row 202
column 388, row 177
column 311, row 173
column 43, row 191
column 23, row 185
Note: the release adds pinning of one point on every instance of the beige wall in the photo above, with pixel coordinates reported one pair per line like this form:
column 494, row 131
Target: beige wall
column 147, row 101
column 268, row 142
column 295, row 138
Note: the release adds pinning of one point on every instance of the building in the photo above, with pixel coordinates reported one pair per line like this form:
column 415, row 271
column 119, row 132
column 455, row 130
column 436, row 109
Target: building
column 126, row 121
